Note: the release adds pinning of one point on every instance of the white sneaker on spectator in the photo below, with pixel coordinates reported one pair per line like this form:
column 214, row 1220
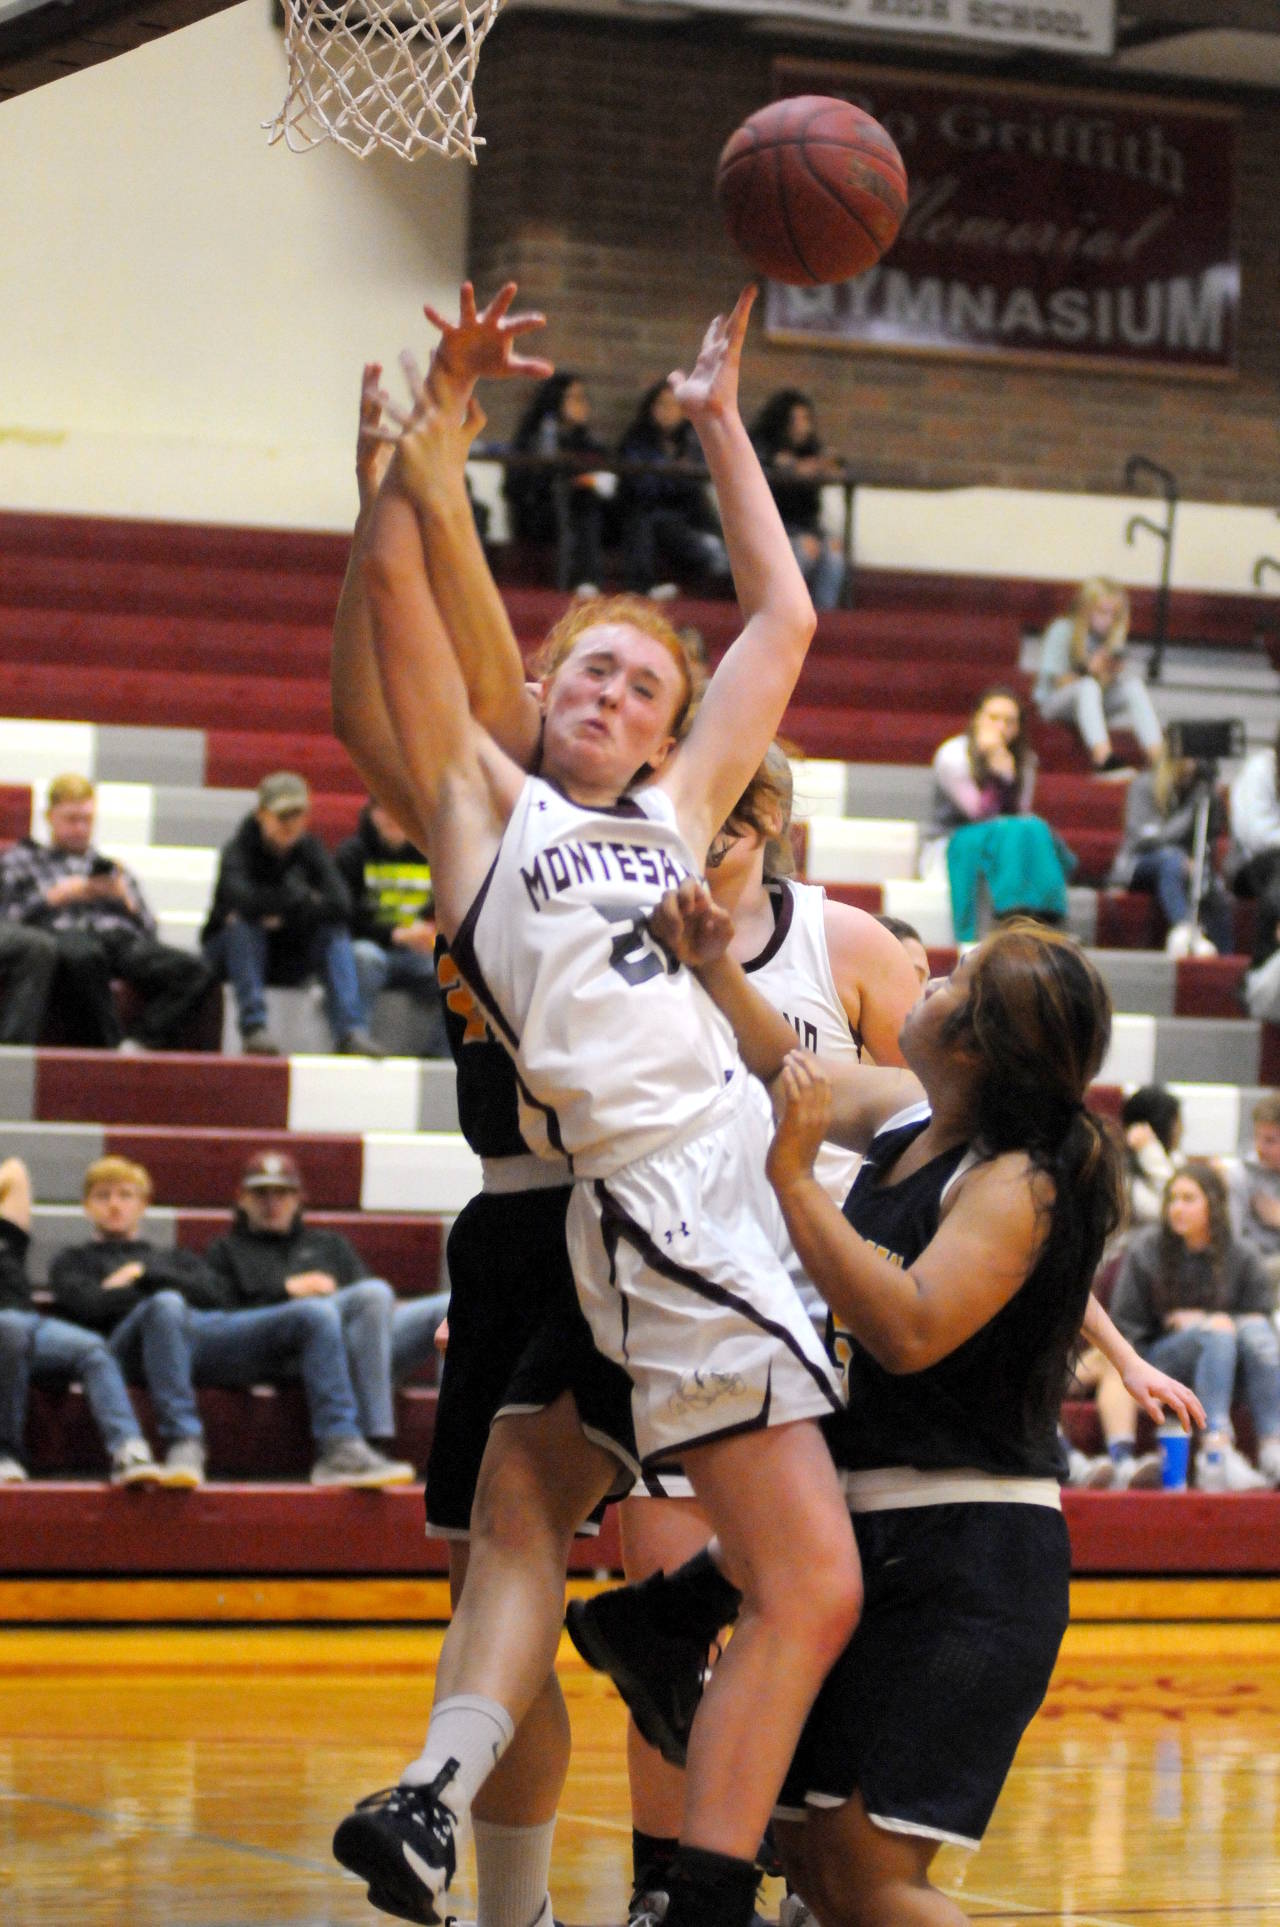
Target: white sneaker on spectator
column 132, row 1464
column 1139, row 1472
column 1091, row 1474
column 12, row 1471
column 355, row 1462
column 664, row 592
column 585, row 590
column 184, row 1463
column 1269, row 1460
column 1188, row 940
column 1221, row 1468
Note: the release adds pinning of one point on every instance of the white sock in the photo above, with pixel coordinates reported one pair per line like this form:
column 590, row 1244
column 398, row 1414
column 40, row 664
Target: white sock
column 471, row 1730
column 512, row 1865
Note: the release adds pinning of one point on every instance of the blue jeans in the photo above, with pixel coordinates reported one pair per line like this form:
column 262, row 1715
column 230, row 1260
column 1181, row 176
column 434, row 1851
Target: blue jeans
column 399, row 968
column 1211, row 1361
column 35, row 1347
column 385, row 1339
column 241, row 951
column 1166, row 872
column 178, row 1348
column 823, row 573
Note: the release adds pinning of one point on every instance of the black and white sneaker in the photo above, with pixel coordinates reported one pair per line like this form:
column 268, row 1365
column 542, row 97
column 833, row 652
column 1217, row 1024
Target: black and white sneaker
column 660, row 1676
column 403, row 1844
column 647, row 1909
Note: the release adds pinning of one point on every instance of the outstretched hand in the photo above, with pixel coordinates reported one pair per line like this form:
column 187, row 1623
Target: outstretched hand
column 1158, row 1394
column 373, row 452
column 801, row 1095
column 481, row 344
column 690, row 925
column 712, row 388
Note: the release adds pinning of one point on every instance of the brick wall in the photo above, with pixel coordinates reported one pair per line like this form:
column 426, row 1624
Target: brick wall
column 595, row 192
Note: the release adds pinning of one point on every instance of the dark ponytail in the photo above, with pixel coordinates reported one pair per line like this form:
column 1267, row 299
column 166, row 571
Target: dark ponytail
column 1038, row 1018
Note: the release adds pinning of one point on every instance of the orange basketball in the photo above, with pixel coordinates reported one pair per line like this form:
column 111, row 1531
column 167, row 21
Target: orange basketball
column 811, row 190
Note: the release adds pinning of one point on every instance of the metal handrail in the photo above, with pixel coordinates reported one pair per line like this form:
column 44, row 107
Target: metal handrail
column 1134, row 469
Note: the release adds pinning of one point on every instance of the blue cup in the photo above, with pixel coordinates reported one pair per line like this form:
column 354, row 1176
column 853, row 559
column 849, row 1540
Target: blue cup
column 1175, row 1456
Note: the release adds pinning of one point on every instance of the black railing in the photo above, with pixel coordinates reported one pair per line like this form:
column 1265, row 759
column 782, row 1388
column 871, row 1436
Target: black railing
column 1134, row 471
column 845, row 480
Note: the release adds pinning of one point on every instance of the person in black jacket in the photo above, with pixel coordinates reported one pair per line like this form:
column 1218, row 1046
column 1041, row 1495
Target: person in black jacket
column 34, row 1345
column 665, row 518
column 563, row 503
column 798, row 467
column 272, row 1257
column 392, row 926
column 170, row 1319
column 280, row 911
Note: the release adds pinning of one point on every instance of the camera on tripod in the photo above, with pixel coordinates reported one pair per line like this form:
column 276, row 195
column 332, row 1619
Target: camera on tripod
column 1205, row 745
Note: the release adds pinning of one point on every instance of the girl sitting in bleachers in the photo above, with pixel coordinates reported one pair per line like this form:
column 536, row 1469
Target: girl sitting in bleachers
column 982, row 827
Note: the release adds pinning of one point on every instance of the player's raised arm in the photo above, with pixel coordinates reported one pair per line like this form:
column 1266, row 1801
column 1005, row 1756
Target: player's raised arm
column 479, row 345
column 743, row 706
column 360, row 719
column 459, row 785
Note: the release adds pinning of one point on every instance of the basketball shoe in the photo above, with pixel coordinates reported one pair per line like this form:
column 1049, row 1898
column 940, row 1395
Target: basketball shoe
column 403, row 1843
column 660, row 1675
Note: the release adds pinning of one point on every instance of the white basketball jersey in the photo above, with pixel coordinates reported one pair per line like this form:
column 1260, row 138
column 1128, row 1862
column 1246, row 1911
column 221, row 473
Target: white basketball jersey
column 794, row 973
column 617, row 1049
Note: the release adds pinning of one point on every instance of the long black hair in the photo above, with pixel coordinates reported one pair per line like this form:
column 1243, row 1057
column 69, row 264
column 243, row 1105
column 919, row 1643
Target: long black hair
column 769, row 430
column 544, row 401
column 1038, row 1018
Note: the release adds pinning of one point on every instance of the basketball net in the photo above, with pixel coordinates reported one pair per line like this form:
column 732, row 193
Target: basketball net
column 383, row 73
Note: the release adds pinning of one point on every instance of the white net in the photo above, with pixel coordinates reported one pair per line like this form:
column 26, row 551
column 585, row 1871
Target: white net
column 371, row 74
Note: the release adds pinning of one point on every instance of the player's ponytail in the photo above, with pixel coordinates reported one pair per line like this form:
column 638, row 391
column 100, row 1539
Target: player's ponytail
column 1038, row 1018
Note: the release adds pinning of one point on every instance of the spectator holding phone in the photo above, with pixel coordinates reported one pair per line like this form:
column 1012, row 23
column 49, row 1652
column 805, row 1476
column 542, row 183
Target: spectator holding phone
column 94, row 910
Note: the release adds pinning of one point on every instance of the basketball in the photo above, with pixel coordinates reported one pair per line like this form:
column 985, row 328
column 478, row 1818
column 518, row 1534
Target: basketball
column 811, row 190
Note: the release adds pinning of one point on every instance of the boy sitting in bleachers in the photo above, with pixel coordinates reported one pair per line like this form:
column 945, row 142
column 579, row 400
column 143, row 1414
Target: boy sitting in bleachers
column 272, row 1257
column 36, row 1346
column 1255, row 1186
column 171, row 1321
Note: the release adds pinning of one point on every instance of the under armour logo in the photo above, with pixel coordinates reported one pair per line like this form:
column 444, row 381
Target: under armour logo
column 670, row 1236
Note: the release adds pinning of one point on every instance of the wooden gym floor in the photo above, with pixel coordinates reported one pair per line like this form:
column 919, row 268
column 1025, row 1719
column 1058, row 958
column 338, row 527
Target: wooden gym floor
column 190, row 1776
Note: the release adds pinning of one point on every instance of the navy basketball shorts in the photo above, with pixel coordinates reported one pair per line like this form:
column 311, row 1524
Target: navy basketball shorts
column 965, row 1609
column 517, row 1340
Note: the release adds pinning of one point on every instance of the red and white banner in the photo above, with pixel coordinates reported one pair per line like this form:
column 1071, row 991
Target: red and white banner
column 1086, row 228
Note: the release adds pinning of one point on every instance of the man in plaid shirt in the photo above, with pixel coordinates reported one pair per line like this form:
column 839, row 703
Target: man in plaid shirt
column 96, row 914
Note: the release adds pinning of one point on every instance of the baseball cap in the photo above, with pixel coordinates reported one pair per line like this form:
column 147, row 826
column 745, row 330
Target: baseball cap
column 271, row 1170
column 283, row 791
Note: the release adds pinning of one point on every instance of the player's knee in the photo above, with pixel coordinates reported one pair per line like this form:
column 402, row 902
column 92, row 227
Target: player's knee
column 514, row 1506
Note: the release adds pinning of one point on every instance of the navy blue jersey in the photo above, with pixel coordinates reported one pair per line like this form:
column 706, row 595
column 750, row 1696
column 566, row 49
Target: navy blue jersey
column 488, row 1107
column 968, row 1410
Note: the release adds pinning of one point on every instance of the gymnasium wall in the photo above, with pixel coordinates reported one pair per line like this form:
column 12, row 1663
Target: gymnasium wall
column 184, row 311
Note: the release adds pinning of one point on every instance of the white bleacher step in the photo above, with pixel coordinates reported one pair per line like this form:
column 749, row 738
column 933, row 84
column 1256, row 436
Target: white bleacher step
column 296, row 1019
column 173, row 877
column 923, row 902
column 34, row 750
column 856, row 849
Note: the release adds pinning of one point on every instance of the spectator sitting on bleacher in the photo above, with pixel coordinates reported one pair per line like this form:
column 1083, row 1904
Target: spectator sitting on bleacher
column 1160, row 816
column 271, row 1256
column 982, row 829
column 563, row 504
column 392, row 926
column 280, row 912
column 95, row 912
column 1255, row 1186
column 1082, row 679
column 1151, row 1119
column 1197, row 1302
column 1253, row 866
column 169, row 1322
column 666, row 521
column 34, row 1345
column 785, row 434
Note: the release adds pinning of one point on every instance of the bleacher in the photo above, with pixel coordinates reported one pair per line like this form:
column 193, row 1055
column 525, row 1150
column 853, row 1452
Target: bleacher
column 175, row 666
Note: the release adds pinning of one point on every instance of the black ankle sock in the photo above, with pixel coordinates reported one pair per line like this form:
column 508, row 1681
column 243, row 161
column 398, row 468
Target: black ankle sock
column 696, row 1599
column 652, row 1856
column 711, row 1890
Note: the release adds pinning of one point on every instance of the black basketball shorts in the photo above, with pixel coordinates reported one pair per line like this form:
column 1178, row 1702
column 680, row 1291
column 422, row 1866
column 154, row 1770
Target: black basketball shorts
column 517, row 1340
column 965, row 1609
